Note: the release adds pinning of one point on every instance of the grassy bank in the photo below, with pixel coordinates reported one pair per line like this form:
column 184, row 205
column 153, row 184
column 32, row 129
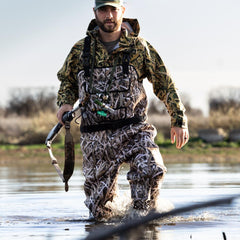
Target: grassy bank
column 195, row 151
column 22, row 138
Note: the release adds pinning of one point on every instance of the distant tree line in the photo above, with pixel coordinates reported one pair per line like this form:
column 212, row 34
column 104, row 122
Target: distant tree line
column 158, row 107
column 224, row 99
column 30, row 101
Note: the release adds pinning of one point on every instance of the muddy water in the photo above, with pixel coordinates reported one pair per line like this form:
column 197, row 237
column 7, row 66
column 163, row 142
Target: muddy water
column 33, row 204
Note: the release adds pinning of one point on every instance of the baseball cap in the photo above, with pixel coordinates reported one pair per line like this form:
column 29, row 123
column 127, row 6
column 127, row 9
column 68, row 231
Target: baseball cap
column 114, row 3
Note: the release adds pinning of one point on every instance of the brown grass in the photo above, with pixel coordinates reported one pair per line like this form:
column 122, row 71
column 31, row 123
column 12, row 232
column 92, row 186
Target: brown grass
column 162, row 124
column 227, row 121
column 22, row 130
column 12, row 128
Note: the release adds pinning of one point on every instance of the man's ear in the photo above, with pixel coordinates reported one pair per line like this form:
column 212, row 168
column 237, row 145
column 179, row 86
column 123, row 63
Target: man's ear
column 94, row 11
column 123, row 10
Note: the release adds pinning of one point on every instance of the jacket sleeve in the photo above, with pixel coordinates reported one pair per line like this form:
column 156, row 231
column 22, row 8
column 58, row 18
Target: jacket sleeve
column 67, row 75
column 164, row 88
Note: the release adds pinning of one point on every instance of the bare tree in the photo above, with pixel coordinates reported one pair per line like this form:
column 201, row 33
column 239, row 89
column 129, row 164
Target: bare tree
column 223, row 99
column 30, row 101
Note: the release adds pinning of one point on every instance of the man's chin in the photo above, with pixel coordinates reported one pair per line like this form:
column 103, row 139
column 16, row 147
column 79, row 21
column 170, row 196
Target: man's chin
column 108, row 29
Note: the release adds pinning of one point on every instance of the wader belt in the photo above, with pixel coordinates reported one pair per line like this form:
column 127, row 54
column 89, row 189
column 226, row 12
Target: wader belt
column 112, row 125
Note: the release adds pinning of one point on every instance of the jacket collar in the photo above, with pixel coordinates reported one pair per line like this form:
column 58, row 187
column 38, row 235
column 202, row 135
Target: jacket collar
column 130, row 30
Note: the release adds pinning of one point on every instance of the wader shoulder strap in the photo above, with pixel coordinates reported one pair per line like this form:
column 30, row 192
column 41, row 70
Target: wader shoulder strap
column 125, row 62
column 87, row 55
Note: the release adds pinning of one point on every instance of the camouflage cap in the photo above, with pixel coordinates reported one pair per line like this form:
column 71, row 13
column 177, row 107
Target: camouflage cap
column 114, row 3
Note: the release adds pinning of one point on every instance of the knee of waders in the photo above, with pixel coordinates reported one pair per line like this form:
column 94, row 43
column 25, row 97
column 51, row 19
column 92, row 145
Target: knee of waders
column 133, row 176
column 138, row 175
column 152, row 172
column 141, row 204
column 101, row 212
column 157, row 171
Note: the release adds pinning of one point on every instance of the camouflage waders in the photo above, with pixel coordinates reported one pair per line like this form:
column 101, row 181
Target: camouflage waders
column 105, row 150
column 103, row 154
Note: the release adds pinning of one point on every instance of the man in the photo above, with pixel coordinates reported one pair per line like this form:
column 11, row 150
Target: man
column 105, row 71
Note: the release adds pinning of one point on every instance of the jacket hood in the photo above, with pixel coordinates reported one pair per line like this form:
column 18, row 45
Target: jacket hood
column 130, row 25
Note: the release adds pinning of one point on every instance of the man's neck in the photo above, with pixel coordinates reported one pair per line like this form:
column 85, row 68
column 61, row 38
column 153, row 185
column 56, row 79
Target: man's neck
column 109, row 37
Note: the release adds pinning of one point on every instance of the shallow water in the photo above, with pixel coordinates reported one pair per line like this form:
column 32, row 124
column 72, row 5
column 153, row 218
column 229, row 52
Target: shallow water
column 34, row 205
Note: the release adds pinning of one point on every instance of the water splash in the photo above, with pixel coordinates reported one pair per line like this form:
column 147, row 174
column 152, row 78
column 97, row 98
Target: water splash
column 122, row 208
column 203, row 217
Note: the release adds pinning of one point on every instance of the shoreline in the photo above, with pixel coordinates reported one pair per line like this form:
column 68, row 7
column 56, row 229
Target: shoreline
column 209, row 158
column 170, row 155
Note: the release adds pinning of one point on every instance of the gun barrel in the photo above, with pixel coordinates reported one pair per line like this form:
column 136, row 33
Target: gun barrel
column 68, row 116
column 53, row 133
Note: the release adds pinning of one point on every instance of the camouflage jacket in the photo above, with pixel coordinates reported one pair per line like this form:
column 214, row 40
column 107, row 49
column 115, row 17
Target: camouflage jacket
column 124, row 94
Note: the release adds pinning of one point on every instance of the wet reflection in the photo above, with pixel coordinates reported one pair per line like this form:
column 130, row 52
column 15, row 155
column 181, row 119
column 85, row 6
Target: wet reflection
column 150, row 231
column 32, row 196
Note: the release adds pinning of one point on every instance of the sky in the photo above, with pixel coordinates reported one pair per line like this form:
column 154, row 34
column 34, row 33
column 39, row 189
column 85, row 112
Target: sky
column 198, row 40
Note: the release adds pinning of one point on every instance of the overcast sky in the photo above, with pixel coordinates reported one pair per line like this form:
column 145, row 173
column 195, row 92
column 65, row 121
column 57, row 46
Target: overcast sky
column 197, row 40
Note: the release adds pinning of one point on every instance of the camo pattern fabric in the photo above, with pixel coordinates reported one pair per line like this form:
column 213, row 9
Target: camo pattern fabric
column 143, row 58
column 125, row 95
column 103, row 154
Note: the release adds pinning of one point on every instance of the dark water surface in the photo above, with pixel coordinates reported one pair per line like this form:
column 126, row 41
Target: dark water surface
column 34, row 205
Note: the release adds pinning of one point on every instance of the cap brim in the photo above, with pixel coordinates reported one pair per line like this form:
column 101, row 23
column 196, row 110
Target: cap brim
column 108, row 4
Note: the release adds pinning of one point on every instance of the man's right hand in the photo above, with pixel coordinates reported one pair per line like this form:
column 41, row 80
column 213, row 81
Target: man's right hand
column 64, row 108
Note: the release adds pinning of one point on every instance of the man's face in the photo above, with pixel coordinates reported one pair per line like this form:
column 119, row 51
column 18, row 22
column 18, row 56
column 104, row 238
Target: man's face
column 109, row 19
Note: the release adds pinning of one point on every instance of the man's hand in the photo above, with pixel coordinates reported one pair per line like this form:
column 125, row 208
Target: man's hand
column 64, row 108
column 181, row 136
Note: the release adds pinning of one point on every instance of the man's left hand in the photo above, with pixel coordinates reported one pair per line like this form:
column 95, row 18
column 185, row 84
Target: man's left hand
column 180, row 135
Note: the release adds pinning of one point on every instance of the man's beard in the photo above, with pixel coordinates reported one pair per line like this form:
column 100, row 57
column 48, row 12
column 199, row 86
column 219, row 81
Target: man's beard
column 110, row 28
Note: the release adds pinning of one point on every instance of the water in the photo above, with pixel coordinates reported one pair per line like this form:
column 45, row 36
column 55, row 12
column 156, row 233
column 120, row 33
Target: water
column 34, row 205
